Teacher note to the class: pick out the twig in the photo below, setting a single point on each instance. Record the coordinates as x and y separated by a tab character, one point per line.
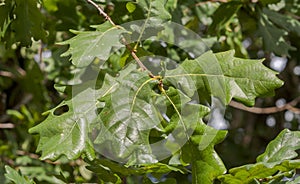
7	74
6	125
101	12
132	51
40	53
268	110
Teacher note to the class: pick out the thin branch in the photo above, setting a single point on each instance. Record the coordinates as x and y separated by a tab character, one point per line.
268	110
101	12
40	53
132	51
7	74
6	125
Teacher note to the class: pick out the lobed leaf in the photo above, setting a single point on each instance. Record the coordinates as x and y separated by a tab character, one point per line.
155	9
87	45
273	164
282	148
67	133
224	76
206	163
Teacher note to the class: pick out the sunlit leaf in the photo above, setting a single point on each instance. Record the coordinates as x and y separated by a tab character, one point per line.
274	163
87	45
224	76
282	148
67	132
206	163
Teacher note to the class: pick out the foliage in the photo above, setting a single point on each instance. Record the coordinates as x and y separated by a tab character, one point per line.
140	96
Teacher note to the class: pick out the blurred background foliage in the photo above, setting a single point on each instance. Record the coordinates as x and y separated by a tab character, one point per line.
31	67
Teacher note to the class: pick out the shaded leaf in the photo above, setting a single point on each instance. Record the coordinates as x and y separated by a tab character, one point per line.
265	2
15	177
223	15
273	37
98	165
284	21
28	22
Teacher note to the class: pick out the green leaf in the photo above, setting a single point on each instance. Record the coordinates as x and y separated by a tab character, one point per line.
111	171
16	177
273	37
28	22
155	9
261	170
130	7
67	133
206	163
265	2
274	163
87	45
128	116
283	147
223	15
284	21
224	76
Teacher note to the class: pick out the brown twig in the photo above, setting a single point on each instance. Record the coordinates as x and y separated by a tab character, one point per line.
107	17
6	125
7	74
268	110
132	51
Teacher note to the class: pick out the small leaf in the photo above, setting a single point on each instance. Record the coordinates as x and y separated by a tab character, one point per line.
155	9
261	170
274	163
283	147
15	177
223	15
130	7
98	165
